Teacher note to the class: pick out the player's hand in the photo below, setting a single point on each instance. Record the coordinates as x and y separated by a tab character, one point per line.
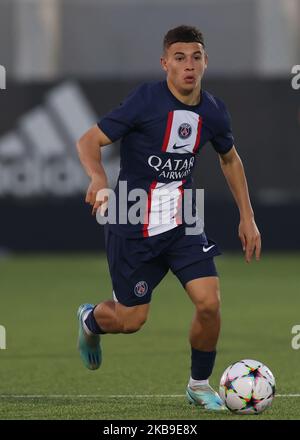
98	183
250	238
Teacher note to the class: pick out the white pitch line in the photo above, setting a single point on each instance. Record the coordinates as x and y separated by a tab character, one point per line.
87	396
94	396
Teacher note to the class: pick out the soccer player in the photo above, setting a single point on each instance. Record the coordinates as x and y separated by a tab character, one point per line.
163	125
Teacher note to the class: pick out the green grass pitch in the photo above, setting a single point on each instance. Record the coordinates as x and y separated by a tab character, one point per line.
42	376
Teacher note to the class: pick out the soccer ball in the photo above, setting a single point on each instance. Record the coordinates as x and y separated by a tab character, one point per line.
247	387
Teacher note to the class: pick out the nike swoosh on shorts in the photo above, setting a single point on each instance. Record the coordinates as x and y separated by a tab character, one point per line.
207	249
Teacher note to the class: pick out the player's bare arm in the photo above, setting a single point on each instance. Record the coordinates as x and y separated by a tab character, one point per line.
233	170
89	151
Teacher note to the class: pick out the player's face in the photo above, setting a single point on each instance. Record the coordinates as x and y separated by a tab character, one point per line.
185	64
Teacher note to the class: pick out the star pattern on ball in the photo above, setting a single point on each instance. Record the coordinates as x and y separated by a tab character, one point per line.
228	385
253	372
251	402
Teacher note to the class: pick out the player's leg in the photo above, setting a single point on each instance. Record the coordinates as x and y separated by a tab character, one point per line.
134	273
190	257
202	285
114	317
106	317
205	328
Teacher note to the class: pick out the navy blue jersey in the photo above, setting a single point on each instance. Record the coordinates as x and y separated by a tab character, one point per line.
160	138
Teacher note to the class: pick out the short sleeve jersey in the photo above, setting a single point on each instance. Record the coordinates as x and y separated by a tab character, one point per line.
160	137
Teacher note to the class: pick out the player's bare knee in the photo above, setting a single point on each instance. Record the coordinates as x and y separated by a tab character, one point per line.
130	329
134	326
131	319
208	307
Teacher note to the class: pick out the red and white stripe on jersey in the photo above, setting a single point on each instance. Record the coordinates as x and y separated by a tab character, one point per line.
164	207
190	144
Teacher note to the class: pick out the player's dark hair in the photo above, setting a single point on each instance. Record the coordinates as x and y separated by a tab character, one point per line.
183	34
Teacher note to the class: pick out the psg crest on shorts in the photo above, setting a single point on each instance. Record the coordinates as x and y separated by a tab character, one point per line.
141	288
184	130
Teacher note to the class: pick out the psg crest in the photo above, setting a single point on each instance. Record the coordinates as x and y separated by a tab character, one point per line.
141	288
184	130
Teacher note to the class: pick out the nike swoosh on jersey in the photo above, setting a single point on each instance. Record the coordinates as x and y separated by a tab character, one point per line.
207	249
180	146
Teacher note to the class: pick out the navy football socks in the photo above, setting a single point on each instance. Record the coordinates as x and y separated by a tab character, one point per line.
92	324
202	364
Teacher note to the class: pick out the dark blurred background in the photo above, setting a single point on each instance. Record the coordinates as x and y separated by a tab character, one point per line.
68	62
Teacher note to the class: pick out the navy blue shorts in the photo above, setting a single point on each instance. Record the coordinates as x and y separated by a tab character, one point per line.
138	265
